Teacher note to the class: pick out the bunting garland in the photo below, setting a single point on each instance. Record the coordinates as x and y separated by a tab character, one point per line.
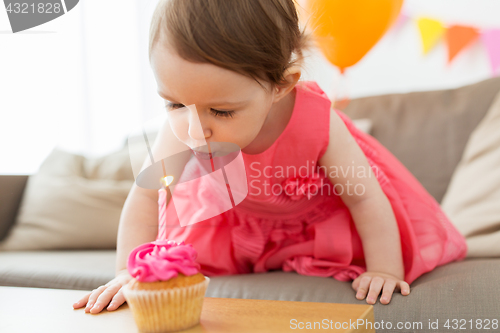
457	38
431	32
491	39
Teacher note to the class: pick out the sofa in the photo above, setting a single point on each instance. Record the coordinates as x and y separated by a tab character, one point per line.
427	131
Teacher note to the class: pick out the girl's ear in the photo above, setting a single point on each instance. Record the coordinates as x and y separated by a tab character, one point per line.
292	76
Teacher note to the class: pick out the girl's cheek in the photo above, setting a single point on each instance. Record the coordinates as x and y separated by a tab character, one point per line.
179	127
186	126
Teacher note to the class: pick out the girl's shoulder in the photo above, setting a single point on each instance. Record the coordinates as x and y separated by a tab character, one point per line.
312	105
308	132
312	93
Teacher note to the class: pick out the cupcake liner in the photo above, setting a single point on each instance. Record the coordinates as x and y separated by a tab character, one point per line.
166	310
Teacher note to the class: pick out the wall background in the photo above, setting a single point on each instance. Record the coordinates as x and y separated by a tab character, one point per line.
82	82
396	63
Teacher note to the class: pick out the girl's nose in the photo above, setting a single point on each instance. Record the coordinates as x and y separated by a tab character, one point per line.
207	132
198	131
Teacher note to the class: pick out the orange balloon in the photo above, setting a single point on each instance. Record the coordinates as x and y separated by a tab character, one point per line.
346	30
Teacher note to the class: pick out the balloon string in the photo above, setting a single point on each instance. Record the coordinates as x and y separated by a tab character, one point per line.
341	94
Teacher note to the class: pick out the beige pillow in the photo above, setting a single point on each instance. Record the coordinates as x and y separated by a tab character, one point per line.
472	200
72	202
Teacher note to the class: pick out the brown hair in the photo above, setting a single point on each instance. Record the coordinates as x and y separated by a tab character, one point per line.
256	38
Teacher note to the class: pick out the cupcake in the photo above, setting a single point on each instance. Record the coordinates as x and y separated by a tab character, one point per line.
167	289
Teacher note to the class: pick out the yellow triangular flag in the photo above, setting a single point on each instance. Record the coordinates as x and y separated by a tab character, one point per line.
430	31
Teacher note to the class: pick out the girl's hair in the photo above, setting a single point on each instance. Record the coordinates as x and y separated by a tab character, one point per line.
256	38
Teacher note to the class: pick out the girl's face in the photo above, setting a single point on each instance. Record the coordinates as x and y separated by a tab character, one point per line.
228	106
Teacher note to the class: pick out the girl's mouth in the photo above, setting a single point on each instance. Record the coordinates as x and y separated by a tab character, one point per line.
203	155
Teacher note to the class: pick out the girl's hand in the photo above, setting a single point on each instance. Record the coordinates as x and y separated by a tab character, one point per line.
375	281
98	298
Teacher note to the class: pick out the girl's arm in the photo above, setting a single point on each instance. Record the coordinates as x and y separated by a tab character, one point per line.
370	209
139	217
138	223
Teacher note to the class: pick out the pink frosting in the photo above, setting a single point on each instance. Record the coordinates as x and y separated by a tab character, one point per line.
162	260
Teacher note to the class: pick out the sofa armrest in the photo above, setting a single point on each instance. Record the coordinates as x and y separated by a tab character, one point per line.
11	193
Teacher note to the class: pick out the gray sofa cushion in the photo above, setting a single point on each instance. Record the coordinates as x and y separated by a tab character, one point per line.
81	270
462	290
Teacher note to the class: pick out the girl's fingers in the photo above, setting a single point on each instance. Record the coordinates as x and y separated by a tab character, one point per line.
404	287
389	287
93	297
118	300
82	301
104	298
375	288
355	283
364	284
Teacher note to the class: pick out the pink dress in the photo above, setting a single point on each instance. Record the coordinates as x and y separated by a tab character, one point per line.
312	232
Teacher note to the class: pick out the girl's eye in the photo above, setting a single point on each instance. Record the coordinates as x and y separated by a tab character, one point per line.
174	106
219	113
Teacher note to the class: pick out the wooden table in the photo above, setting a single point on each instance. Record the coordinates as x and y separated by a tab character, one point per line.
39	310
